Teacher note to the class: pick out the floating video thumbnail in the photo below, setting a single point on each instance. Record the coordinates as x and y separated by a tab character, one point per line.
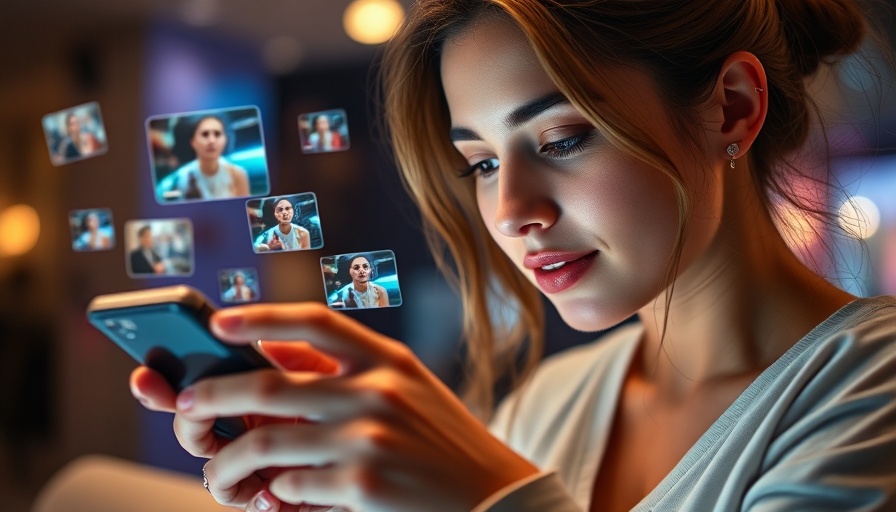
208	155
75	133
238	285
92	230
361	280
159	247
285	223
324	132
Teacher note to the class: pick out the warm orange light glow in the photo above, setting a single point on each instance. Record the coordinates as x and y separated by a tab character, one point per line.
799	229
19	230
372	21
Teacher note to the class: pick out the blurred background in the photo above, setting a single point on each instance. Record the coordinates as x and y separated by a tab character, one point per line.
63	387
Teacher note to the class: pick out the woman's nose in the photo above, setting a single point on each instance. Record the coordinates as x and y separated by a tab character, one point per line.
525	202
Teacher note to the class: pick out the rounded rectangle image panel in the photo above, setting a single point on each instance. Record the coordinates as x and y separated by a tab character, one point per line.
324	132
92	229
284	223
238	285
75	133
208	155
361	280
159	247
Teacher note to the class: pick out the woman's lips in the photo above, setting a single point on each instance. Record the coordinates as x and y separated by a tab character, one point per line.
555	272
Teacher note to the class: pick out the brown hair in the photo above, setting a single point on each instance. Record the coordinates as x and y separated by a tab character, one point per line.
681	44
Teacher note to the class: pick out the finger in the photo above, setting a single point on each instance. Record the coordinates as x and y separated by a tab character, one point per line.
299	356
313	485
195	434
152	390
263	501
270	393
333	333
239	495
276	446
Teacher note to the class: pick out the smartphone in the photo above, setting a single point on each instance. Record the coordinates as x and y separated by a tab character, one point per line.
167	330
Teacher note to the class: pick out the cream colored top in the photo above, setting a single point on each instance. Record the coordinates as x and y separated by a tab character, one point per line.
815	431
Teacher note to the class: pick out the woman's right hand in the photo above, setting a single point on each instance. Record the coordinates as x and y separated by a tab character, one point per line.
275	244
154	392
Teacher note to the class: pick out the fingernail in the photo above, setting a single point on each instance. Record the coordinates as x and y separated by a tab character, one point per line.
228	322
185	399
261	502
143	401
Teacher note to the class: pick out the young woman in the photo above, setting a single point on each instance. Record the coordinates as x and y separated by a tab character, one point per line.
94	236
323	138
285	235
210	175
362	292
622	158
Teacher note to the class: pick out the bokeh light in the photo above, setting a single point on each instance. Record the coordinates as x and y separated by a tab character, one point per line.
372	21
859	216
19	230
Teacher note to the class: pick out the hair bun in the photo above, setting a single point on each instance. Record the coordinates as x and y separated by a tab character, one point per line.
816	29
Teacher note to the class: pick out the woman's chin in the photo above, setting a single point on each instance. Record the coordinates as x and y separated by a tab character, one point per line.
588	316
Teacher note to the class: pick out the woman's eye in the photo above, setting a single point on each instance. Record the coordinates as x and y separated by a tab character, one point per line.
568	146
482	168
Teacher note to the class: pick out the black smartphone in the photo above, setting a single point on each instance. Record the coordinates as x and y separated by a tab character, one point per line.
167	330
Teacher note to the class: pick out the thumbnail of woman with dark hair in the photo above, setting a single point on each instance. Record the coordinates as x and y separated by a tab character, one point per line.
77	142
286	235
323	138
92	234
239	291
362	292
210	175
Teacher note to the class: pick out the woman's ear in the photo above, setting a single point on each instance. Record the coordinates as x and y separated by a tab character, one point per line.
741	99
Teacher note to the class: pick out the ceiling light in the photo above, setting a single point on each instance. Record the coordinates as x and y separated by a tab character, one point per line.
372	21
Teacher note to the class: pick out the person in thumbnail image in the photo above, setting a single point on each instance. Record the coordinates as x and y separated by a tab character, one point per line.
362	292
239	291
286	235
93	236
322	138
77	142
210	175
145	260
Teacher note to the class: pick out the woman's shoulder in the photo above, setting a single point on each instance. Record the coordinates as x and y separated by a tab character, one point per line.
232	167
864	326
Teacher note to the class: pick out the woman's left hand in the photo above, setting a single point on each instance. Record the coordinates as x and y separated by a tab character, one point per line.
381	434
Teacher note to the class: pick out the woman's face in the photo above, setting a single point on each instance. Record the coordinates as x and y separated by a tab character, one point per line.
92	222
591	226
73	127
209	139
238	280
322	124
359	269
283	211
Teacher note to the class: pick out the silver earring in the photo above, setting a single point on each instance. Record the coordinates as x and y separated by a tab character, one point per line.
758	89
733	149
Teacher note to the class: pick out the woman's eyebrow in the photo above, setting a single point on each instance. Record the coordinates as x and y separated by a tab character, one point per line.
519	115
458	134
531	109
